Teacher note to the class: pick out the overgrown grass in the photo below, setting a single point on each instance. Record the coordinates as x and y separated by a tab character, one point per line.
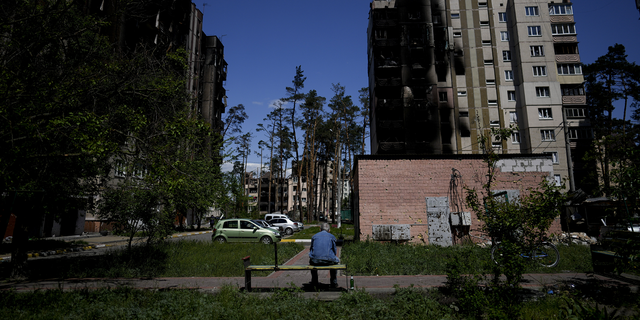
375	258
171	259
346	231
229	303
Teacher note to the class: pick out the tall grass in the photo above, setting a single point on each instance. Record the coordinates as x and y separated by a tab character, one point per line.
229	303
170	259
375	258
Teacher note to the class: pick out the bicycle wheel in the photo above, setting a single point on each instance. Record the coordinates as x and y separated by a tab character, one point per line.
496	252
546	254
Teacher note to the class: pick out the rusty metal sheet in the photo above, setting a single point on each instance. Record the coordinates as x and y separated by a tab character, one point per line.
389	232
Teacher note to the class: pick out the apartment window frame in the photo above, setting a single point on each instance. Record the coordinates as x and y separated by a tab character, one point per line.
515	137
539	71
511	95
576	112
580	133
457	34
462	93
537	51
554	158
484	23
560	9
558	180
486	42
560	29
545	114
569	69
532	11
492	102
504	35
508	75
534	31
442	96
513	116
547	135
542	92
490	81
502	17
506	55
455	16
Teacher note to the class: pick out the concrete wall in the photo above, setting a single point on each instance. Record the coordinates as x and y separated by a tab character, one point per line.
394	191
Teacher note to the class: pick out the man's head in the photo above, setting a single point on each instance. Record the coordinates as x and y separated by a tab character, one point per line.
325	227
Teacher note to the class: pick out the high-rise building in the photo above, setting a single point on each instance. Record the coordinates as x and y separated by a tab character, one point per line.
443	72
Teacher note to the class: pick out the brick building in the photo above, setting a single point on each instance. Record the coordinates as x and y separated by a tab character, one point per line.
419	199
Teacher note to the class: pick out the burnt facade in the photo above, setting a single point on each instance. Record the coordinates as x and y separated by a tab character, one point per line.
444	72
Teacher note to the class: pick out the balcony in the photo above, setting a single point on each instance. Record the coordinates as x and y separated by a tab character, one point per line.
565	39
568	58
574	100
561	19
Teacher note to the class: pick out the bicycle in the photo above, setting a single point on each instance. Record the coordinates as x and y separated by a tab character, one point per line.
545	254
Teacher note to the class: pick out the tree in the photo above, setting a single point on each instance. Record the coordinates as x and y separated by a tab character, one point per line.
294	95
233	120
312	117
611	78
364	113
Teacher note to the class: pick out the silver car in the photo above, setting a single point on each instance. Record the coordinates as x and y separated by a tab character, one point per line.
267	225
287	225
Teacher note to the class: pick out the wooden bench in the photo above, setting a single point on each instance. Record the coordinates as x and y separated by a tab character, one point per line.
248	268
615	244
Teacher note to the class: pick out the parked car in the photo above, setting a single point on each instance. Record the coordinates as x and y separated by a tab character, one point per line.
243	230
300	225
275	215
265	224
287	225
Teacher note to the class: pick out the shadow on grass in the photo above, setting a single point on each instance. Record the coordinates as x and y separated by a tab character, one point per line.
140	262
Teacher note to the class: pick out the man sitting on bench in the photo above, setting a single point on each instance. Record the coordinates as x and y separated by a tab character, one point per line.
323	253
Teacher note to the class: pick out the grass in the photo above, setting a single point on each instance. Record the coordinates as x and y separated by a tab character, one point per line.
171	259
346	231
375	258
229	303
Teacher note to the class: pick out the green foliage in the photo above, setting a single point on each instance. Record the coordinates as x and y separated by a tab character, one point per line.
576	310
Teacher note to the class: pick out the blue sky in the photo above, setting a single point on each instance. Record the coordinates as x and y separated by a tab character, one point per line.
264	41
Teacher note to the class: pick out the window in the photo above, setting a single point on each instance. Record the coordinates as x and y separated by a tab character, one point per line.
558	179
557	9
462	93
515	137
508	75
513	116
576	113
436	19
502	16
457	34
482	4
547	135
381	34
304	199
504	35
560	29
573	91
442	96
494	123
534	31
537	51
491	81
531	11
544	113
539	71
554	158
486	42
511	95
484	23
489	61
496	144
567	69
506	55
119	169
577	133
464	114
542	92
455	16
304	189
493	102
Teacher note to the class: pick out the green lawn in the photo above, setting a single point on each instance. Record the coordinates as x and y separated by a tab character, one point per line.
346	231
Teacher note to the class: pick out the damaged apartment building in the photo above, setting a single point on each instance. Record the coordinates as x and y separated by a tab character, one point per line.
444	72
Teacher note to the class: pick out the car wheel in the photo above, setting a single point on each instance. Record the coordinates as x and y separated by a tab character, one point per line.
220	240
289	231
266	240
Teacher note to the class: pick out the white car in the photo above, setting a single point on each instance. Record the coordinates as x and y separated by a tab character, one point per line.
287	225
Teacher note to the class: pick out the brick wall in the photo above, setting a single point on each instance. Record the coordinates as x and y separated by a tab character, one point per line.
394	191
